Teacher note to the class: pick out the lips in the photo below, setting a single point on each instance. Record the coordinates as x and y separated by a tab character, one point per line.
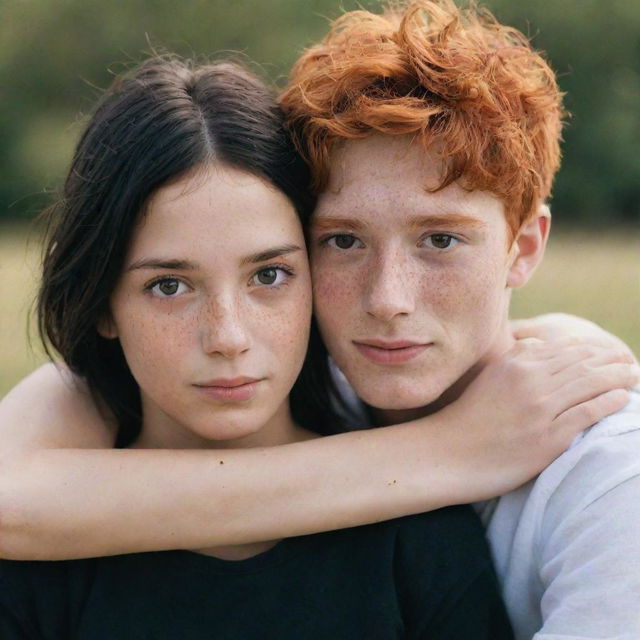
240	389
396	352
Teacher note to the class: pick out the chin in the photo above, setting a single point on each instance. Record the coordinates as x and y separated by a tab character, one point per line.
401	396
231	428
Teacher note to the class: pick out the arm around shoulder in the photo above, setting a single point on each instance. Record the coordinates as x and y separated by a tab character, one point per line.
64	493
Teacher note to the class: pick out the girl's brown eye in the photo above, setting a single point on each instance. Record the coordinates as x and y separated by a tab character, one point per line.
168	287
267	276
271	277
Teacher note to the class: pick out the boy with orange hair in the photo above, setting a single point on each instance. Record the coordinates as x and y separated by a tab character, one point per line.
433	135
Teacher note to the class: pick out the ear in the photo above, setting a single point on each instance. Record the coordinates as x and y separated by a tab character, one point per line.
107	327
528	248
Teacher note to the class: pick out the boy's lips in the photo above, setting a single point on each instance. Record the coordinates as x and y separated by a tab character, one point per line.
395	352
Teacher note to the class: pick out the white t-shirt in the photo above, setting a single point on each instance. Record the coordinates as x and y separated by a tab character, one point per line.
567	544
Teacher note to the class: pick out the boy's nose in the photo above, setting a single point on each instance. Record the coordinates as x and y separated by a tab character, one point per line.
388	289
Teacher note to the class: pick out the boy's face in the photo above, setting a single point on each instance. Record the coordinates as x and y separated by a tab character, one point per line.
410	286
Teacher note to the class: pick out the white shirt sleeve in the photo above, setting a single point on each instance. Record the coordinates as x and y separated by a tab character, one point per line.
588	546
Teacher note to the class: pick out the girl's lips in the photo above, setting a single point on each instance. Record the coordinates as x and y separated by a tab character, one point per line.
232	390
390	352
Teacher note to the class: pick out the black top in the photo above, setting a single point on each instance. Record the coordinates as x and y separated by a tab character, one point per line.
424	576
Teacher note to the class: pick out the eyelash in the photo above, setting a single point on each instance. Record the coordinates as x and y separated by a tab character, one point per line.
154	283
327	239
453	239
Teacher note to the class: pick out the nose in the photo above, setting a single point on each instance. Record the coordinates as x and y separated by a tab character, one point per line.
389	290
223	328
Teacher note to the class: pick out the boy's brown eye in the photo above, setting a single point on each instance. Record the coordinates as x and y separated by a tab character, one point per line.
442	241
343	241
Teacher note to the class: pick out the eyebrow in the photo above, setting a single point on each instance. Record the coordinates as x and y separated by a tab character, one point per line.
457	220
269	254
160	263
187	265
331	222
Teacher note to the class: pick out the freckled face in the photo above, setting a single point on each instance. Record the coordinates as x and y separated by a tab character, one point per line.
212	310
409	286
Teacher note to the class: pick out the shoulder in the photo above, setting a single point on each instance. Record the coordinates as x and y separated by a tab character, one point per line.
53	407
605	457
577	532
627	420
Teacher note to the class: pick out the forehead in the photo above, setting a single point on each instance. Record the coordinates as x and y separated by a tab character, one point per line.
393	176
212	209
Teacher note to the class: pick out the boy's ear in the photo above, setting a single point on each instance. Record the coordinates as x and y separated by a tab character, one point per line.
528	248
107	327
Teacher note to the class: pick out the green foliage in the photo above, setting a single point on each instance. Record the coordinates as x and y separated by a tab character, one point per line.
595	48
56	55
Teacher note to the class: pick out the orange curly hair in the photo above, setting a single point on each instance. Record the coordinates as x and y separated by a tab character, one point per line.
437	72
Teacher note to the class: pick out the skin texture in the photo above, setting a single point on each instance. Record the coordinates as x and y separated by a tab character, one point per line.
63	496
395	263
199	305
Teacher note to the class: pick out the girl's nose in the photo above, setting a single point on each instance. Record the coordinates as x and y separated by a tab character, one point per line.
223	328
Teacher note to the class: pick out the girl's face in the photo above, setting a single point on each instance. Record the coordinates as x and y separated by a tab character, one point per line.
212	311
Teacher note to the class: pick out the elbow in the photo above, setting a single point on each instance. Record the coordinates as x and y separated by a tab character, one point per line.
13	531
16	517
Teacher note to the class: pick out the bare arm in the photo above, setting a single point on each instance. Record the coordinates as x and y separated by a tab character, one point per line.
62	495
553	326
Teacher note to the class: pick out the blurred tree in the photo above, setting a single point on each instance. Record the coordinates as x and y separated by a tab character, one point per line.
55	55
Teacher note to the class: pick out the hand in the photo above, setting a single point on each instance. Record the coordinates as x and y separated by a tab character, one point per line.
553	326
525	408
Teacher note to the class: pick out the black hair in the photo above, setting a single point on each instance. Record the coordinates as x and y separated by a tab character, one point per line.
155	123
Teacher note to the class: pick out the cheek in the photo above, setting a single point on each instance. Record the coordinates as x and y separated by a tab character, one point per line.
335	293
154	345
469	301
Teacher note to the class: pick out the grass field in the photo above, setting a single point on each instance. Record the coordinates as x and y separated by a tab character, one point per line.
592	275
